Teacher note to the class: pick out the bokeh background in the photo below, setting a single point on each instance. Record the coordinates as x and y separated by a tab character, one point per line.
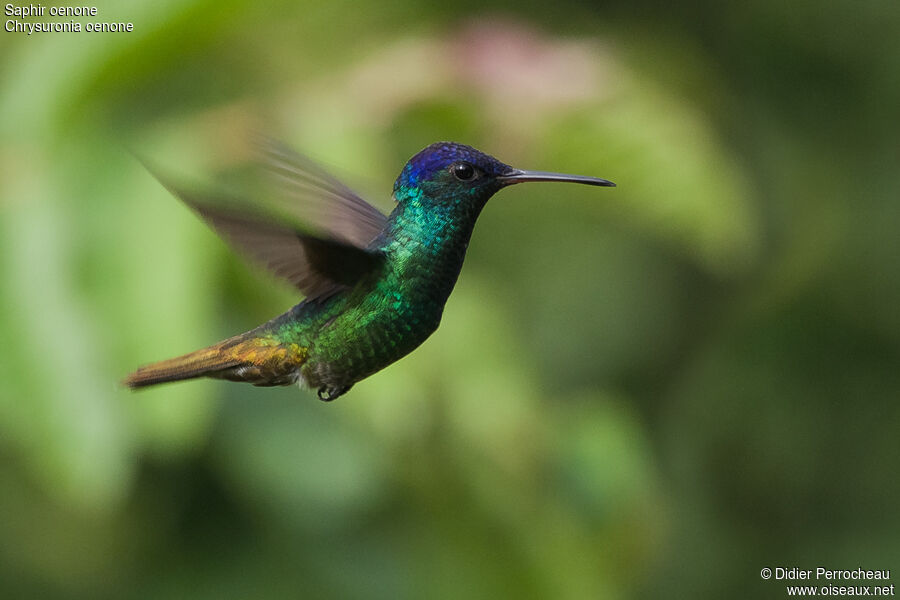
646	392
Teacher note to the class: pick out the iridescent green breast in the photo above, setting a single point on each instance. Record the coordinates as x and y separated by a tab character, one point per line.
383	318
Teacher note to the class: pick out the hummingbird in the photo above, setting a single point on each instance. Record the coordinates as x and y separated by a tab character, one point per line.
375	285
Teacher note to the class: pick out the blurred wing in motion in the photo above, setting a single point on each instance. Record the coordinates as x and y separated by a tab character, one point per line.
319	199
323	251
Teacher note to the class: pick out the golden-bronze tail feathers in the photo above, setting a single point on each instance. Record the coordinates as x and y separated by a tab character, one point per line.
259	361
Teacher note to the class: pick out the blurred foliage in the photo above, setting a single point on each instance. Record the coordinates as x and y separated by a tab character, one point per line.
651	391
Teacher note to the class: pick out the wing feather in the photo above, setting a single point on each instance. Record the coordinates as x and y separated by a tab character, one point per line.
328	253
320	199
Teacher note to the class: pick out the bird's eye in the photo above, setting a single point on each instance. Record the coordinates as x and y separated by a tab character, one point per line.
463	171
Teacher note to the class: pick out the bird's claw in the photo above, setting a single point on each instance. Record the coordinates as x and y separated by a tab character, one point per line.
328	393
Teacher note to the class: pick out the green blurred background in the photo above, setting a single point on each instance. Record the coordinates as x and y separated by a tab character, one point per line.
646	392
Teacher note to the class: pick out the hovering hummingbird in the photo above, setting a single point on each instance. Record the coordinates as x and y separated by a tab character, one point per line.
375	285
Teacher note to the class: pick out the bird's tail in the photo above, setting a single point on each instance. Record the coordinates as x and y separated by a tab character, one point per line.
256	360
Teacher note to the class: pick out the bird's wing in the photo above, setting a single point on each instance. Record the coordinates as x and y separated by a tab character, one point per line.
315	197
314	232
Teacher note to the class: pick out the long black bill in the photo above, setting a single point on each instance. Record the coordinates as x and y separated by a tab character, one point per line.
519	176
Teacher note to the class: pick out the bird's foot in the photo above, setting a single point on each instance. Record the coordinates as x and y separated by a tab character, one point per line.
327	393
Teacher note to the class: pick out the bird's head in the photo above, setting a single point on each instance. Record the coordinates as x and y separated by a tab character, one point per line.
455	174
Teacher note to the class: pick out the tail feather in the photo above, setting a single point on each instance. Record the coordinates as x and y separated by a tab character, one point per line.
258	361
